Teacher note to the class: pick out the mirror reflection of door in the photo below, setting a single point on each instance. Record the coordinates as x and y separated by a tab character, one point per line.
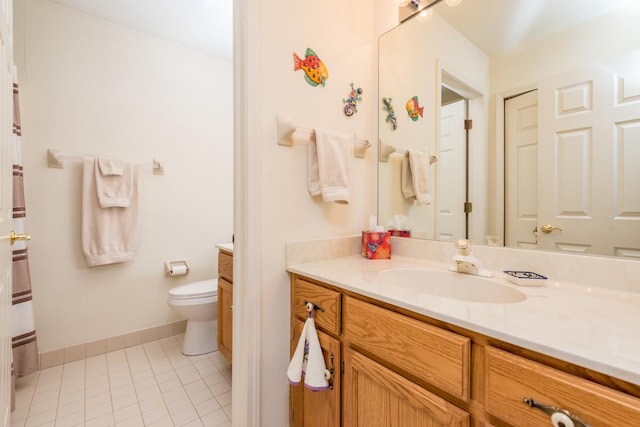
521	170
578	134
459	102
451	221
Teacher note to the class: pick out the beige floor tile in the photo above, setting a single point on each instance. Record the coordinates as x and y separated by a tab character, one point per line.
207	407
185	417
150	384
128	412
215	418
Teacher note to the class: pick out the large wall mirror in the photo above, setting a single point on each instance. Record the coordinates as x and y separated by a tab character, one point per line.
529	112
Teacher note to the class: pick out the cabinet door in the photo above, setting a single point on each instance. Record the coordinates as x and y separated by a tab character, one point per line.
225	318
375	396
317	408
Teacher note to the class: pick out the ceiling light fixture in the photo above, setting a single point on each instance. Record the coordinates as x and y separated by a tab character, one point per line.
453	3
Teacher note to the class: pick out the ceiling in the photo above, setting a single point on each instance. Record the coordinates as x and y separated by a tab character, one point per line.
496	26
204	25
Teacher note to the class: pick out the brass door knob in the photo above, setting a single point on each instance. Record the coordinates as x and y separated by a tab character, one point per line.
548	228
13	237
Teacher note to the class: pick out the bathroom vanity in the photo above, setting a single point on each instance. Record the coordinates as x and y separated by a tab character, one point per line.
225	300
411	359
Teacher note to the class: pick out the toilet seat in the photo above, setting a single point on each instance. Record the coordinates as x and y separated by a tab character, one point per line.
202	289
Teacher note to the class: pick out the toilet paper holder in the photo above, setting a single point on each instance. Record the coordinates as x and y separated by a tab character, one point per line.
176	268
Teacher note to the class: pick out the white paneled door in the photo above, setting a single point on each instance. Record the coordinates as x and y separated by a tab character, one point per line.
451	173
589	152
587	157
6	205
521	161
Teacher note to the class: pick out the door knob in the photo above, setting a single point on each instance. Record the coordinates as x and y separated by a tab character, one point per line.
548	228
13	237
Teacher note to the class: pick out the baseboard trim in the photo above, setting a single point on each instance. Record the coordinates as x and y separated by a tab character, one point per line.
60	356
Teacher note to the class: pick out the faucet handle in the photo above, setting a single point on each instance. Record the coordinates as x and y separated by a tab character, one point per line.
463	247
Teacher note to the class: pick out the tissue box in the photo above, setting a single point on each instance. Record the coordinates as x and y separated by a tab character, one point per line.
400	233
376	244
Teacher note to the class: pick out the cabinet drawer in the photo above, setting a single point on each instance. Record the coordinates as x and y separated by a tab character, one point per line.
439	357
511	378
329	319
225	266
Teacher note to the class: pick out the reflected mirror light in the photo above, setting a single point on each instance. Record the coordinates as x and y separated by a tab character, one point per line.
550	92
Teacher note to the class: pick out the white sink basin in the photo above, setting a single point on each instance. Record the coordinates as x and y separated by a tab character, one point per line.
447	284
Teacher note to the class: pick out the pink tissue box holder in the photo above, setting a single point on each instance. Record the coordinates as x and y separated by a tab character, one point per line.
376	244
400	233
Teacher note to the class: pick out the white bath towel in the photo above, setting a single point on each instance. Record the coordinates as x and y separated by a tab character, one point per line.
329	163
109	235
415	176
307	360
114	182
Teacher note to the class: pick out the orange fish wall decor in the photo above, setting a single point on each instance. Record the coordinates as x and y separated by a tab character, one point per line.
414	109
315	72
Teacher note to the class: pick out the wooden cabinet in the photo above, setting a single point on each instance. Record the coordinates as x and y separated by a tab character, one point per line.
401	368
377	396
439	357
317	408
327	314
511	379
225	304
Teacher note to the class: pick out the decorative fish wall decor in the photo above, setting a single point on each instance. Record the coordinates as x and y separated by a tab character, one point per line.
351	103
315	72
391	113
414	109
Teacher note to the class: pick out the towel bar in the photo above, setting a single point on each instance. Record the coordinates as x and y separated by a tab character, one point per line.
288	134
55	159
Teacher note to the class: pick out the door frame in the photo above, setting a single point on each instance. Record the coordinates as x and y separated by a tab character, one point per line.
499	222
477	110
247	216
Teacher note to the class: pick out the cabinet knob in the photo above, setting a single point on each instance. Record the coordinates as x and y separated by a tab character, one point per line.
559	417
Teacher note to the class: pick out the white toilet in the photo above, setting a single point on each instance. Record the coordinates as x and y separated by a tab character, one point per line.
198	303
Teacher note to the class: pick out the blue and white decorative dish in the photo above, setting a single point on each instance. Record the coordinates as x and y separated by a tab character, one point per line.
525	278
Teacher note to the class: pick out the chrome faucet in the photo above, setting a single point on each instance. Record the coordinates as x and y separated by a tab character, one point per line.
467	263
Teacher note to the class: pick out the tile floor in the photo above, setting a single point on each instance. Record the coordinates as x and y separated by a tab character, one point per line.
151	384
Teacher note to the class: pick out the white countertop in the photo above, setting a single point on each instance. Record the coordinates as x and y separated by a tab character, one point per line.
228	247
590	327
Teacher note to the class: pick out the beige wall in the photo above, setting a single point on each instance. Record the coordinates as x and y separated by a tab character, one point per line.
90	87
343	34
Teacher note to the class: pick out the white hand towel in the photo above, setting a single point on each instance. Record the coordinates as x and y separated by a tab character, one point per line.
406	178
329	162
114	182
308	360
109	235
415	176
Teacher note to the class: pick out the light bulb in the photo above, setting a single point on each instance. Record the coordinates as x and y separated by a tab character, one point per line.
402	3
453	3
425	14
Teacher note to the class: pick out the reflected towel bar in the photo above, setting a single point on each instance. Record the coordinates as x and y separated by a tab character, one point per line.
386	150
56	159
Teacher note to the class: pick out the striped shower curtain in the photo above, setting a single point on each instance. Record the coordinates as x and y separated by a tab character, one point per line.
23	331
